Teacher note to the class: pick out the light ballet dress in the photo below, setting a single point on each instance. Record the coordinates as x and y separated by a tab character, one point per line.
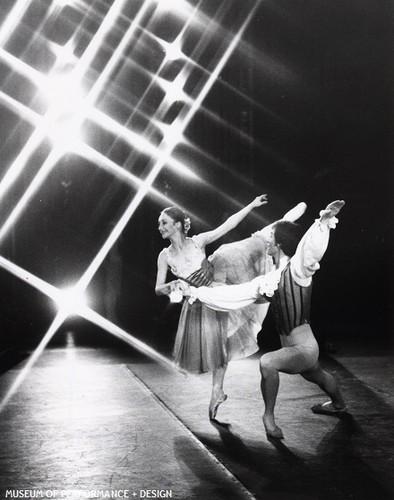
240	262
207	339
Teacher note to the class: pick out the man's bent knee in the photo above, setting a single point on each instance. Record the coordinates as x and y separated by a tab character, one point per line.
267	364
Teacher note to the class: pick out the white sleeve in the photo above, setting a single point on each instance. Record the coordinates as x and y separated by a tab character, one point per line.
310	251
229	297
226	297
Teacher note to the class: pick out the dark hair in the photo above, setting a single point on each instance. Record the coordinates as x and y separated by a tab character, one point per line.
178	215
287	236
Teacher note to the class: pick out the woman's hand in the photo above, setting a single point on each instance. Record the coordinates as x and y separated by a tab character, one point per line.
327	216
233	221
259	201
176	294
185	288
175	285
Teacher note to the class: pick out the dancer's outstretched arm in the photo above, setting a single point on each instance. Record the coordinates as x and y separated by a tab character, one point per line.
295	213
226	297
230	297
314	243
208	237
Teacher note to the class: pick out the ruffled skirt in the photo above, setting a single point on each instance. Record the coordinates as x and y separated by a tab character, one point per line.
208	339
235	263
200	343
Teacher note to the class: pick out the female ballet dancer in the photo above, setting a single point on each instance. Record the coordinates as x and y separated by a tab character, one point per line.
206	339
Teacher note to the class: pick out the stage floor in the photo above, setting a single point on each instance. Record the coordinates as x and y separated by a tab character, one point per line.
102	423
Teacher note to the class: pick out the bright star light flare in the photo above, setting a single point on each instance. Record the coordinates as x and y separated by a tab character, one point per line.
69	302
120	68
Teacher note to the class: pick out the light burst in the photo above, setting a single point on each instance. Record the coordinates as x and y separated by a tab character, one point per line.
74	90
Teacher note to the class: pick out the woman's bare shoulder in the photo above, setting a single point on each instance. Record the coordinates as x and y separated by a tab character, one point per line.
163	255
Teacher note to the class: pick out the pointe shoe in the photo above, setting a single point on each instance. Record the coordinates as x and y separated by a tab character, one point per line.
216	400
274	434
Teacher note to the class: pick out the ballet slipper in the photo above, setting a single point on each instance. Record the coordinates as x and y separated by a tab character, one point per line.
217	399
272	431
327	408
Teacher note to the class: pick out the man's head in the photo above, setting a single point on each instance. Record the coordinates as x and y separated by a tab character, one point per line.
285	237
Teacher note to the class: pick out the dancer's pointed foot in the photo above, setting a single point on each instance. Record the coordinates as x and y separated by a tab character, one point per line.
218	397
222	425
328	408
271	429
296	212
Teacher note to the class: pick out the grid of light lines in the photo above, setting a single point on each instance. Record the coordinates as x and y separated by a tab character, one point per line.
96	97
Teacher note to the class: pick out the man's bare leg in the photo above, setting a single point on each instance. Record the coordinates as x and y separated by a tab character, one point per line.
327	383
269	390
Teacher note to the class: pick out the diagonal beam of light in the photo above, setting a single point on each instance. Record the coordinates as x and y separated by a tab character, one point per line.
98	320
94	46
165	46
84	312
84	151
24	69
81	67
46	167
117	54
23	111
29	278
113	168
56	324
167	151
13	19
169	146
37	136
138	142
39	133
223	61
140	346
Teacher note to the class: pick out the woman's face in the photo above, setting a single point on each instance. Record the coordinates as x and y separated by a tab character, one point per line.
167	226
